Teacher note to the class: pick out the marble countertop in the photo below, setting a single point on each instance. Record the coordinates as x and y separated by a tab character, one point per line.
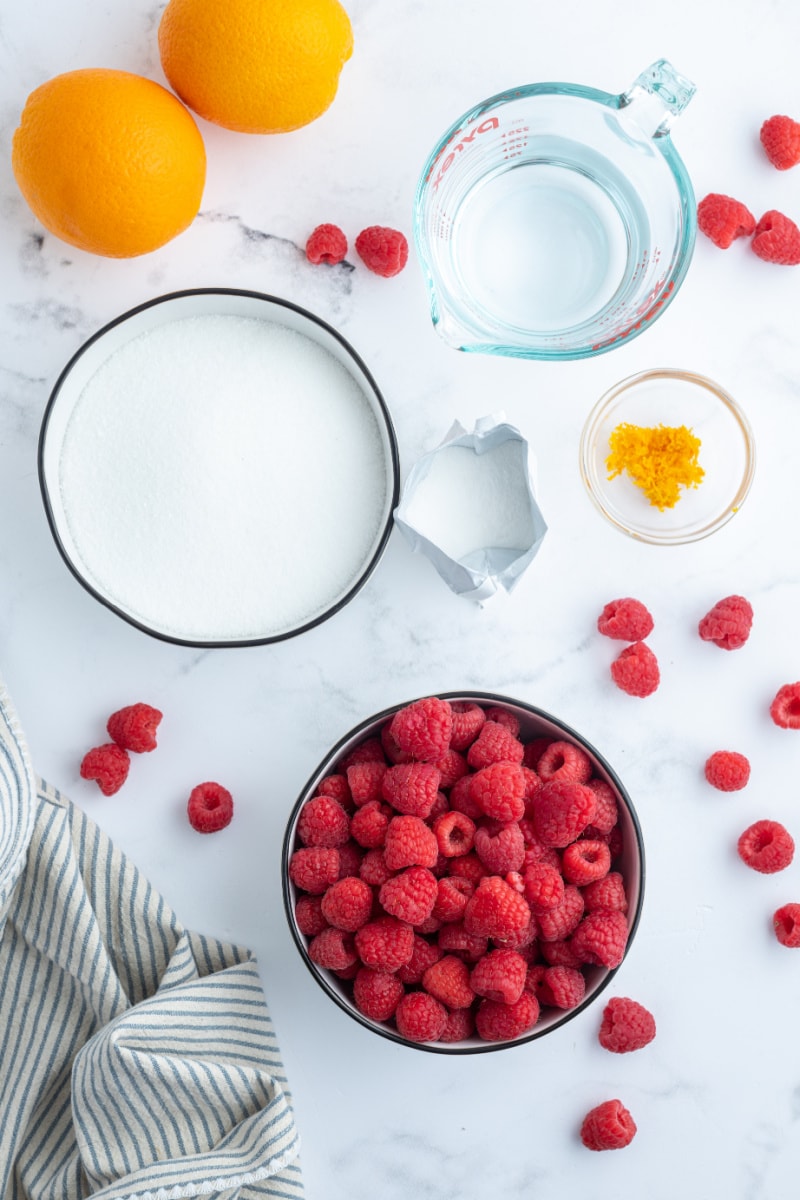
717	1096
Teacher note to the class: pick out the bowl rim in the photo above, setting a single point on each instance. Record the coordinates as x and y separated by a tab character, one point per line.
393	468
484	698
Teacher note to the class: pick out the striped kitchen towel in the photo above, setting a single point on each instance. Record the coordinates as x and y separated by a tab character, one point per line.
137	1060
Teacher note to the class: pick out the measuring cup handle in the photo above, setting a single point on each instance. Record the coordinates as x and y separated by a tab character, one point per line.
657	96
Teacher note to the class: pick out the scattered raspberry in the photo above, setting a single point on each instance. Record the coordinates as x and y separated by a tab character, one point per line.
502	851
562	760
636	671
377	993
410	843
728	623
451	898
411	788
785	708
500	975
544	886
460	1024
108	765
323	822
786	923
410	896
210	808
626	1026
494	744
606	893
723	219
499	791
727	770
609	1126
423	729
326	244
585	861
455	834
468	720
364	780
496	910
347	904
333	949
601	938
766	846
777	239
134	728
607	810
314	868
780	137
558	923
626	619
385	943
563	986
420	1018
384	251
423	955
448	981
496	1022
562	810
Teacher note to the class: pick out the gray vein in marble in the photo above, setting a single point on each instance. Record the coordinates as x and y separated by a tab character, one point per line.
60	316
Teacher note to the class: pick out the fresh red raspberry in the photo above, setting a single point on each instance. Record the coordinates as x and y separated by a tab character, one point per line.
452	766
423	729
460	1025
420	1018
468	720
411	788
350	858
723	219
563	986
210	808
377	994
727	770
410	843
607	811
562	760
532	785
494	744
534	750
108	765
562	811
502	716
544	886
467	866
461	799
455	834
423	955
766	846
786	923
368	824
347	904
431	924
780	137
557	923
601	938
337	787
385	943
308	915
499	791
370	750
559	954
384	251
496	910
785	708
448	981
522	939
609	1126
326	244
314	868
496	1022
635	670
391	750
626	1026
535	852
439	807
455	939
728	623
411	895
364	780
777	239
500	975
503	851
608	892
585	861
373	869
349	973
451	898
323	822
134	728
333	949
627	620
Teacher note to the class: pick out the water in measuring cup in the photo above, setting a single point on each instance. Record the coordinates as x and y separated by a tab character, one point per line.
540	246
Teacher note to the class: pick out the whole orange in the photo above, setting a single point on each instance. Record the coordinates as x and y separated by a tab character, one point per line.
257	66
109	161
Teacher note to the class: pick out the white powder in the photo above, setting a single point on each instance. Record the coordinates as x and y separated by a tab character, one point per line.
223	478
470	501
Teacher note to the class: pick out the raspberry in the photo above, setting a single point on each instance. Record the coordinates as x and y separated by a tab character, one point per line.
609	1126
532	784
499	791
786	923
452	766
391	749
607	810
448	981
496	1022
564	987
410	843
323	822
370	750
467	866
455	834
308	915
439	807
411	788
108	765
785	708
558	923
503	851
326	244
385	943
461	799
777	239
562	810
384	251
780	137
585	861
333	949
210	808
608	892
601	938
636	671
455	939
460	1025
544	886
559	954
368	824
377	993
336	786
626	619
347	904
314	868
423	729
451	898
134	728
728	623
420	1018
534	750
468	720
502	716
350	856
423	955
723	219
521	939
364	780
626	1026
500	975
494	744
410	896
373	869
727	770
766	846
496	910
562	760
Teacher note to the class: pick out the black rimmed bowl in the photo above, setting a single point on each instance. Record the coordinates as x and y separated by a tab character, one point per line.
629	861
219	468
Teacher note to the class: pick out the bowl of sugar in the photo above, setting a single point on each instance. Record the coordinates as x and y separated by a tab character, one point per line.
219	468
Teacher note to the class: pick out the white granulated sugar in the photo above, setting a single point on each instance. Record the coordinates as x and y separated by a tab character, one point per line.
223	478
470	501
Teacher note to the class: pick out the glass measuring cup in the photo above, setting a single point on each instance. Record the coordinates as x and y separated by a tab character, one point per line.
555	221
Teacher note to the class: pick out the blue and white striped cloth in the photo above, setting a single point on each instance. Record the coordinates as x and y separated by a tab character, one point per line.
137	1060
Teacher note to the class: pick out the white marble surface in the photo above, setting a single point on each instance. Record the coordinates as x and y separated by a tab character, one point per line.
717	1095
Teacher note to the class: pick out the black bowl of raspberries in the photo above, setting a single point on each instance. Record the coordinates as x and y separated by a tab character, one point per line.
463	873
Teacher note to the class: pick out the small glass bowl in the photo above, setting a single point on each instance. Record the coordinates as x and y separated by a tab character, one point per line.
727	455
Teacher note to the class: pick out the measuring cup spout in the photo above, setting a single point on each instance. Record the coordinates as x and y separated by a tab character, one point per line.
657	96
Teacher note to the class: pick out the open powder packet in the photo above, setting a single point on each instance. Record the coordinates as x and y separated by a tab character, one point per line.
469	505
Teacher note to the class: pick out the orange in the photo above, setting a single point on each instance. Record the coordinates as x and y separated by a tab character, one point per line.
109	161
257	66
